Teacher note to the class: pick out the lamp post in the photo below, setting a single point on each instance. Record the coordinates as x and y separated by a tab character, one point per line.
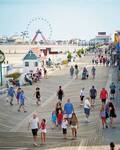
2	58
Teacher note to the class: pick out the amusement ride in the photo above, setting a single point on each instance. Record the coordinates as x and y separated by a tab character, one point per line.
38	26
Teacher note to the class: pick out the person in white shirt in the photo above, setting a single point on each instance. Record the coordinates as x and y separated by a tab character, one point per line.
87	107
34	124
64	126
82	94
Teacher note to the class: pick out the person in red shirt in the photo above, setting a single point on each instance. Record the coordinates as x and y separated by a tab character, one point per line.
59	118
103	95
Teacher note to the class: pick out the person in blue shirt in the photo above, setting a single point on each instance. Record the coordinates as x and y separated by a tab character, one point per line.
11	93
22	101
68	109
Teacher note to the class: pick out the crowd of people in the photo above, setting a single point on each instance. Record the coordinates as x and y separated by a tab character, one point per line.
34	77
74	71
64	116
100	59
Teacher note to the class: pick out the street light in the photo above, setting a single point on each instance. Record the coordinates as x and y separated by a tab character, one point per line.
2	58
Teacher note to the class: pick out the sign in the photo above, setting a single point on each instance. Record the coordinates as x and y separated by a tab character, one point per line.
101	33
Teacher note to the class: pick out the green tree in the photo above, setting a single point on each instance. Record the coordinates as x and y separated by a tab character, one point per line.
79	53
69	56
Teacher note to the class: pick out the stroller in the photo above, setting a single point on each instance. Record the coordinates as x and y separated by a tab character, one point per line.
85	75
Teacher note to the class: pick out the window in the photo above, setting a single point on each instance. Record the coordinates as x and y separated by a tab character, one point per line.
36	64
26	64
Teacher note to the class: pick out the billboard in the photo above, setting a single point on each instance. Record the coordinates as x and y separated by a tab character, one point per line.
117	41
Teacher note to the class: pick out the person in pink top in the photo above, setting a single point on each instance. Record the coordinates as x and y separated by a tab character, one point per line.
103	95
43	131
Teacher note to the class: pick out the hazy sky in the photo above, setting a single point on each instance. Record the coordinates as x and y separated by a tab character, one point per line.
68	18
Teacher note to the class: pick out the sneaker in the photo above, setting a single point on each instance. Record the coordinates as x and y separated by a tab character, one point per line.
87	121
11	103
106	126
35	144
25	111
18	110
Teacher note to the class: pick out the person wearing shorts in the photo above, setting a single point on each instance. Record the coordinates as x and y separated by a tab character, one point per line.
34	123
93	94
22	102
87	106
74	125
82	96
37	93
43	131
68	109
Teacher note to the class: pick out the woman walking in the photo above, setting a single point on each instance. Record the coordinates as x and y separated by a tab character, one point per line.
87	107
58	107
112	113
74	125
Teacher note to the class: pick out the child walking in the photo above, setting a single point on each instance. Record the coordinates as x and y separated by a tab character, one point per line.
54	119
22	102
18	94
43	131
59	118
37	93
103	116
64	127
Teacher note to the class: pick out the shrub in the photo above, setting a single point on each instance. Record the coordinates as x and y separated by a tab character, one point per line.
79	53
64	62
14	75
69	56
82	51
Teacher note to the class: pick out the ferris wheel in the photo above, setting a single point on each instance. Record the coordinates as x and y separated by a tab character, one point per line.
38	29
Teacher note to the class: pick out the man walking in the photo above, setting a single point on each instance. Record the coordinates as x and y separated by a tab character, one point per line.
71	71
112	90
34	124
68	109
60	93
93	94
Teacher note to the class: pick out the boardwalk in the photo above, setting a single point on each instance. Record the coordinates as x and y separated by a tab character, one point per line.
13	124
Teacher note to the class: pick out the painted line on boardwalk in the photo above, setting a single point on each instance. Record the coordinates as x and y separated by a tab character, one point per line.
44	104
1	124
